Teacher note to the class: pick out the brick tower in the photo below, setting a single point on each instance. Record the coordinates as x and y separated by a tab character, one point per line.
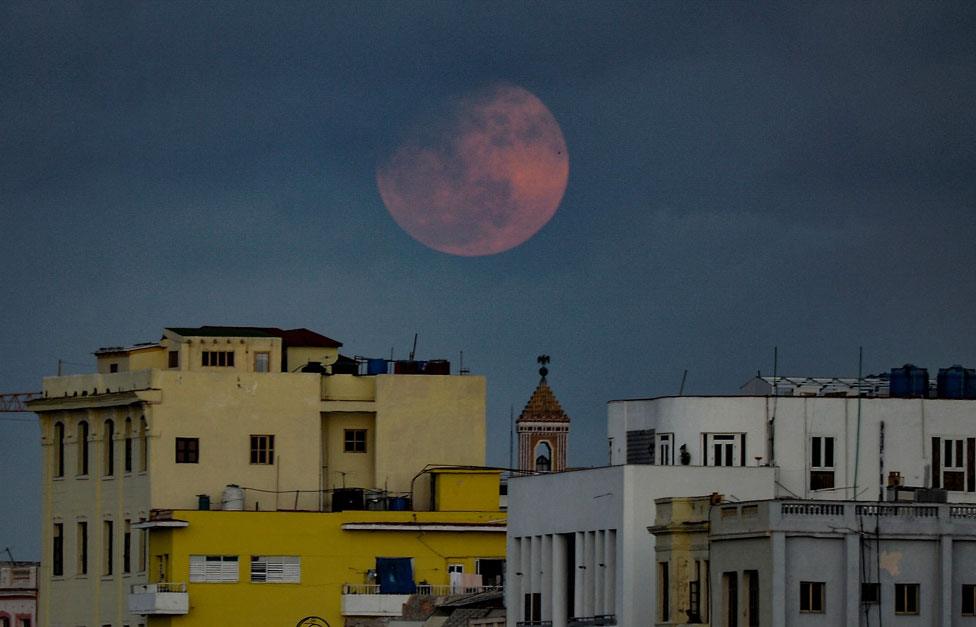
543	429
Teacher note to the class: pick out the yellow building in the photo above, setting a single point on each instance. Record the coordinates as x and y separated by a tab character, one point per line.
681	549
169	425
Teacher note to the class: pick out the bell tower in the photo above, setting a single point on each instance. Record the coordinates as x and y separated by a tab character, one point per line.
543	429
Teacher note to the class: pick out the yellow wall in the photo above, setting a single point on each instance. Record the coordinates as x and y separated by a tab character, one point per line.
341	469
301	355
466	490
223	410
330	557
427	419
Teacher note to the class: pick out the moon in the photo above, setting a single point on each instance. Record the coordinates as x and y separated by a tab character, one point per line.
479	176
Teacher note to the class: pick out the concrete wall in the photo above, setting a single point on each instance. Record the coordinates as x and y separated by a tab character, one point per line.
909	425
618	499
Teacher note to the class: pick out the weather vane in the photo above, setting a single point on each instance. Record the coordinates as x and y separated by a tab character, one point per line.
543	360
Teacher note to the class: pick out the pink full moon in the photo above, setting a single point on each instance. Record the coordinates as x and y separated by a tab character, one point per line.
480	177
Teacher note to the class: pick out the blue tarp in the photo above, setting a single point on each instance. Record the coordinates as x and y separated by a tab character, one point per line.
395	575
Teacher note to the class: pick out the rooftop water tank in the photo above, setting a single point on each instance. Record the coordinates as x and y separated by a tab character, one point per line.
909	381
438	366
232	498
376	366
956	382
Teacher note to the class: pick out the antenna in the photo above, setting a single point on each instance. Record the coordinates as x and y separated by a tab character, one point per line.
413	351
511	436
681	390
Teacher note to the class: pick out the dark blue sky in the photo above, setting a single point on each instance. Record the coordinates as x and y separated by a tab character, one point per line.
742	175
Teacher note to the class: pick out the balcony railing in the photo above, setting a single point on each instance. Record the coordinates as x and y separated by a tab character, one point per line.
424	589
592	621
159	598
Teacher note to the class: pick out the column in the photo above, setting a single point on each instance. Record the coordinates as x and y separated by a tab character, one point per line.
578	564
779	579
852	557
945	603
546	573
610	572
559	580
598	573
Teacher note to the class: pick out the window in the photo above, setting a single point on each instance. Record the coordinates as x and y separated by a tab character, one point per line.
57	559
906	598
730	597
275	569
24	622
82	544
174	359
870	593
142	550
664	592
543	457
108	460
821	463
665	449
533	607
59	449
82	448
127	547
752	590
218	358
128	445
107	542
214	569
262	449
262	362
455	568
724	449
143	445
954	464
355	441
968	599
187	450
812	596
113	367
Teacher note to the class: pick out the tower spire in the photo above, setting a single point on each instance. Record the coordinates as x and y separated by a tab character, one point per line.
543	428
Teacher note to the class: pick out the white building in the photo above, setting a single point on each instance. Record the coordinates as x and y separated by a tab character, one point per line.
745	447
821	447
795	563
578	548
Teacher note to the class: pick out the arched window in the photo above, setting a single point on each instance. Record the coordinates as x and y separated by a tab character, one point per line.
83	447
109	438
543	457
143	445
128	445
59	449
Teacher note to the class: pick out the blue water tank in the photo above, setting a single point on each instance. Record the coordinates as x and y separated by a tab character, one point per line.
398	503
376	366
909	381
956	382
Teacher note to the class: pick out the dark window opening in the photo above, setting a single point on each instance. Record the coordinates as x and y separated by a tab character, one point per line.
262	449
354	441
812	596
906	598
187	450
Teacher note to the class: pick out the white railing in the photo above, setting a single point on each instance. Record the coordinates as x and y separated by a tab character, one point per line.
159	587
917	511
425	589
812	509
962	511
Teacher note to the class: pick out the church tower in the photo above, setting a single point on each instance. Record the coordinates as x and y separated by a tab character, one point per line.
543	429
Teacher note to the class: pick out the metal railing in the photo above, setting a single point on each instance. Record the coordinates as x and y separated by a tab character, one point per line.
424	589
534	623
156	588
592	621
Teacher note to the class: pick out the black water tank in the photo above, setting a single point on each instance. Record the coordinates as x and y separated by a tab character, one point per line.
909	381
348	499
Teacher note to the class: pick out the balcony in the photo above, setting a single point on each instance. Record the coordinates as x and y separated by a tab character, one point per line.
367	600
157	599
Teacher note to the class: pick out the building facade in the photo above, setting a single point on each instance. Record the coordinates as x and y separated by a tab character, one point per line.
18	594
165	425
829	563
821	447
578	548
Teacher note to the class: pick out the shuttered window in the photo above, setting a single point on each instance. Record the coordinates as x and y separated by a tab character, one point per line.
276	569
214	569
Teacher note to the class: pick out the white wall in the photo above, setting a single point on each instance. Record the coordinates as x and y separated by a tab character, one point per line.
909	426
618	498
